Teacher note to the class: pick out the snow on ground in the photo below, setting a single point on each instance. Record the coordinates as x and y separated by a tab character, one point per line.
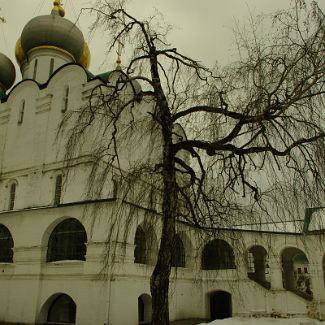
265	321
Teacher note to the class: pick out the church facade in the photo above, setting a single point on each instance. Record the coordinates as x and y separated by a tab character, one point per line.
53	237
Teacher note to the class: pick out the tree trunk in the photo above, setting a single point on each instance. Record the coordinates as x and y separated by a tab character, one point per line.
159	282
160	276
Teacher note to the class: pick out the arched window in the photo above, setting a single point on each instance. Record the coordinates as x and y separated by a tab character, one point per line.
140	250
21	112
178	257
218	255
65	99
6	245
12	196
62	311
67	242
58	190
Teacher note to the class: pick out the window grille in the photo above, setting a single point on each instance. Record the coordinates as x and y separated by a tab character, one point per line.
62	311
178	257
140	250
67	242
218	255
251	263
6	245
58	190
12	196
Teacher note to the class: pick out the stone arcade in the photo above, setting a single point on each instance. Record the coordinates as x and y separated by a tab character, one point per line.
51	255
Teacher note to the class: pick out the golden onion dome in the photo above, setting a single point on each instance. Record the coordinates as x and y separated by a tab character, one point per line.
53	32
86	57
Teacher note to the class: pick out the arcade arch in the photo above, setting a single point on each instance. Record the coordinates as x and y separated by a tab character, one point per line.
295	272
258	268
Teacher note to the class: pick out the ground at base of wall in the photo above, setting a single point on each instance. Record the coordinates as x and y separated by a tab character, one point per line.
1	323
191	321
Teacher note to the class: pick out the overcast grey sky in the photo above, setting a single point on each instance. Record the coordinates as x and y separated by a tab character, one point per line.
202	29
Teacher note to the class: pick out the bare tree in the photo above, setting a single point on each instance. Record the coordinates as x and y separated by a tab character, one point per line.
215	143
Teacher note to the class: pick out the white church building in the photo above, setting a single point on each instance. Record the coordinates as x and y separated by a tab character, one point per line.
53	236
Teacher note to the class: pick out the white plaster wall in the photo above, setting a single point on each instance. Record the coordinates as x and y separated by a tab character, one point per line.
31	155
98	299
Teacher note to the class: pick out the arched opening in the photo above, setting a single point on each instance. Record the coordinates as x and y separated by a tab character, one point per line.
218	255
295	272
146	246
67	242
6	245
258	269
220	305
178	257
144	309
62	311
140	249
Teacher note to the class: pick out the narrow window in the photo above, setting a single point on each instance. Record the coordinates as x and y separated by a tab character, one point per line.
140	250
299	270
51	66
35	69
65	100
58	190
305	270
21	112
12	196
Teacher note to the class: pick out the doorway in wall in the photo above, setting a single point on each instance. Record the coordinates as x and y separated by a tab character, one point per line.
220	305
144	309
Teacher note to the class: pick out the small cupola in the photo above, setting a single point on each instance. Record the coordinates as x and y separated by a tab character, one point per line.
48	42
